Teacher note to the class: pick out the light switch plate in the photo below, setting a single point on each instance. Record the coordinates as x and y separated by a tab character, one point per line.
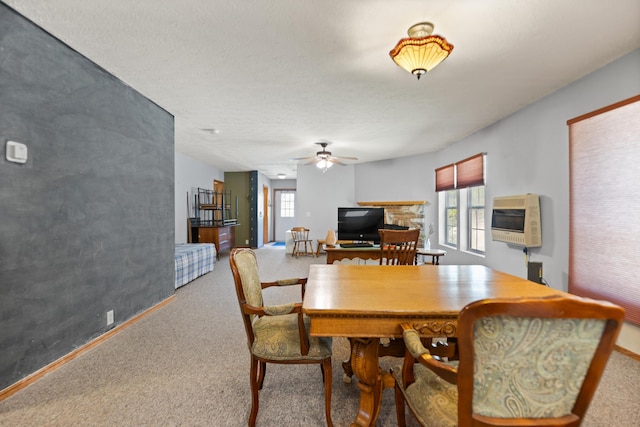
17	152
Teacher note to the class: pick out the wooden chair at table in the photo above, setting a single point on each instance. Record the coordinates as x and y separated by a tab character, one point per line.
275	334
398	247
523	362
302	244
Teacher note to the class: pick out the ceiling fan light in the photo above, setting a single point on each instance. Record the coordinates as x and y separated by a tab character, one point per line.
324	164
323	158
420	52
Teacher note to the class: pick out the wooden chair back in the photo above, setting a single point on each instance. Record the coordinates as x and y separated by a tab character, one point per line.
300	234
244	267
302	245
571	339
551	350
398	247
275	334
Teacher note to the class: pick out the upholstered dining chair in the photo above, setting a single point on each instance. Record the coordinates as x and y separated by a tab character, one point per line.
275	334
523	362
302	244
398	247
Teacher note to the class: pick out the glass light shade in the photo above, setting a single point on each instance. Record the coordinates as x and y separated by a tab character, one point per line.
420	55
324	164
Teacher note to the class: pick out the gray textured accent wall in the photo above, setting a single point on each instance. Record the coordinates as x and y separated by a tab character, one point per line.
87	224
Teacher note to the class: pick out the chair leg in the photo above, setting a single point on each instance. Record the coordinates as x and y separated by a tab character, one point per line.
346	365
327	376
262	369
402	422
255	386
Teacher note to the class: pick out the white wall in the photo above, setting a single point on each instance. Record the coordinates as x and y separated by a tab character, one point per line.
190	174
404	179
526	152
319	194
529	152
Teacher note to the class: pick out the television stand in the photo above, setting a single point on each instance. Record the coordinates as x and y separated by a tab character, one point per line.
322	243
337	253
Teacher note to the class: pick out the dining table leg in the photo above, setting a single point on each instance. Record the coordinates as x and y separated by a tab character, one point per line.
371	379
393	347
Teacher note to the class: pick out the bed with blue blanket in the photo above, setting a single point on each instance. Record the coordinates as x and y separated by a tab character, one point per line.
193	260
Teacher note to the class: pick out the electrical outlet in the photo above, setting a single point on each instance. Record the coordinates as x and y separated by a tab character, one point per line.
534	272
246	242
109	317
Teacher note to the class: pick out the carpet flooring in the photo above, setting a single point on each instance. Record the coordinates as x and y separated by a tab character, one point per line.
187	364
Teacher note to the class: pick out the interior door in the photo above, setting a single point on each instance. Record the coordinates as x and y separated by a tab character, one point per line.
283	212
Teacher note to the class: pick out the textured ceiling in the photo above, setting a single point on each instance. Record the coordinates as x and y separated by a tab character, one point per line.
276	76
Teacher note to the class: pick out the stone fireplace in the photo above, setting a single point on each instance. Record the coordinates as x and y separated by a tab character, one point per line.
406	213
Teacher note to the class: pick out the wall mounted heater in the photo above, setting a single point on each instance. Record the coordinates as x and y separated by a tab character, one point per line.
516	220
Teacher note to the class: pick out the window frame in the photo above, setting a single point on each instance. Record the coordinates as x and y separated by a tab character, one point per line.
288	207
471	230
463	218
451	211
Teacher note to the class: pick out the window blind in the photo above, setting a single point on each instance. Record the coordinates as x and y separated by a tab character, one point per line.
470	171
604	254
445	178
465	173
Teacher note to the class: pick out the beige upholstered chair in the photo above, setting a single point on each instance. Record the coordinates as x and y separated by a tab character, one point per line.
523	362
275	334
302	244
398	247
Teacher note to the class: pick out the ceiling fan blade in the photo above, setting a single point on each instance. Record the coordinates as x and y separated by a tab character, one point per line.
323	155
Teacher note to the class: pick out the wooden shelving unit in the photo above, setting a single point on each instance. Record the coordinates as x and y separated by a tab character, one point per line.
215	220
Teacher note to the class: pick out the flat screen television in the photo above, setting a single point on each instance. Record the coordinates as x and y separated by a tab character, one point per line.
360	224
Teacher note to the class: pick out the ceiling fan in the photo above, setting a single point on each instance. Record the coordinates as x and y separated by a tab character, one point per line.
323	158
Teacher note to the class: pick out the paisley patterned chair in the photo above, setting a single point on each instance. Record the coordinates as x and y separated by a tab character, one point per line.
525	362
275	334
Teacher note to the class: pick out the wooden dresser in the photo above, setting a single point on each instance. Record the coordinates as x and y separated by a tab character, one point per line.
224	237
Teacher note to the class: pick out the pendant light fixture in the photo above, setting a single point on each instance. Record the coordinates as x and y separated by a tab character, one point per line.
420	52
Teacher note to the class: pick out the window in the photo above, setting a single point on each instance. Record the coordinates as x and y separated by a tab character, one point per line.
475	209
463	217
461	195
451	218
287	205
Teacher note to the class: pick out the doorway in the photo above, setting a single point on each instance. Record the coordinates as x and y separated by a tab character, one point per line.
265	217
284	214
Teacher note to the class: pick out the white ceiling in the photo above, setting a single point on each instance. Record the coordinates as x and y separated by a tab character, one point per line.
276	76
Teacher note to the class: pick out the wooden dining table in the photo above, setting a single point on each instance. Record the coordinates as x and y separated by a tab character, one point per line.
368	302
